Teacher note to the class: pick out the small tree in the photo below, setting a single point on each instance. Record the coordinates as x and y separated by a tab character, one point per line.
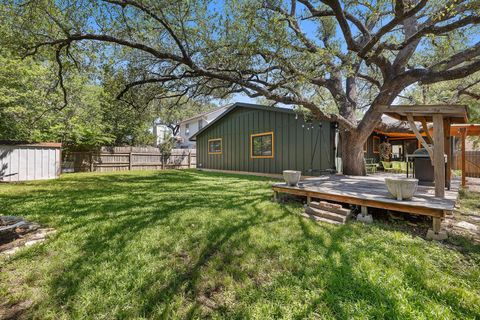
166	147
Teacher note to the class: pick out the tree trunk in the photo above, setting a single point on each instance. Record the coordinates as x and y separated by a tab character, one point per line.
352	153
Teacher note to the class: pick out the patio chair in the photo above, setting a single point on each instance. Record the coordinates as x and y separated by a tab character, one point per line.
397	166
370	166
403	167
387	166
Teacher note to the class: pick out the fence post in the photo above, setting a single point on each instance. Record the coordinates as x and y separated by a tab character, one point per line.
189	158
91	161
130	161
162	161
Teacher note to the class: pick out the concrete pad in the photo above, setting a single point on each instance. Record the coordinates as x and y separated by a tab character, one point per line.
365	219
32	242
442	235
466	225
11	251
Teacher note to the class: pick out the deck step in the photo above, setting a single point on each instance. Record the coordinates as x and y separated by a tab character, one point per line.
326	214
332	207
316	218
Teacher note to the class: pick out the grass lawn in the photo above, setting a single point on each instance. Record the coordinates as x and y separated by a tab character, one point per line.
186	244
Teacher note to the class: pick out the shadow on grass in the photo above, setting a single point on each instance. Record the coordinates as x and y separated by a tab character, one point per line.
163	240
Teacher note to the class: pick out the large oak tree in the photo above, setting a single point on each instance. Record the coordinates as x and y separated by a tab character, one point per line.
361	53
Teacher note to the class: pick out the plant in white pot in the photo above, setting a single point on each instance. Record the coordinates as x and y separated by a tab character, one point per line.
292	177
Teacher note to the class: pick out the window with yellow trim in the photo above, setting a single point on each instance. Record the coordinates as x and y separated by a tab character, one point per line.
215	146
262	145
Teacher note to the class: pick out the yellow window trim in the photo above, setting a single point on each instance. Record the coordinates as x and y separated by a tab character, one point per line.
251	145
221	145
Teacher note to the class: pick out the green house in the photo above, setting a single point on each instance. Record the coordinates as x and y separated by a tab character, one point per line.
256	138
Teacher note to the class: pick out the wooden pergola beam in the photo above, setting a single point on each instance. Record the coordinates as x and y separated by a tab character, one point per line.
463	133
448	151
456	113
419	136
425	129
438	155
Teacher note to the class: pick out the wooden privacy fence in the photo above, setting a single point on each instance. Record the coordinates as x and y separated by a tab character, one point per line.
128	158
472	163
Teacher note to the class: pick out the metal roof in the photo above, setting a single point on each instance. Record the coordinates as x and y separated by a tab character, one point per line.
30	144
201	115
241	105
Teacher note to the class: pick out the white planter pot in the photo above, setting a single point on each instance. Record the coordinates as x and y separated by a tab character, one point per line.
291	177
401	188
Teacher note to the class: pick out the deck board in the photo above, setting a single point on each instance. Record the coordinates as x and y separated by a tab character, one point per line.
372	191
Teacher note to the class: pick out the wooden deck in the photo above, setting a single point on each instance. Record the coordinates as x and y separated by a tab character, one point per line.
371	191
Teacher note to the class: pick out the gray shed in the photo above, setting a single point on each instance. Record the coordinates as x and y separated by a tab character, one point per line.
29	161
256	138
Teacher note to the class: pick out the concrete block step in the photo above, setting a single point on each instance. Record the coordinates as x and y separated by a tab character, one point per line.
332	207
320	219
326	214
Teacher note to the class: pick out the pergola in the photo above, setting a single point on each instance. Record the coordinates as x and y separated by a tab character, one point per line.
443	118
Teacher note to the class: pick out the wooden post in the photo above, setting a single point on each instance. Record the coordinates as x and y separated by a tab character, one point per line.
463	132
91	161
436	225
130	161
163	161
446	142
438	155
189	159
309	199
364	210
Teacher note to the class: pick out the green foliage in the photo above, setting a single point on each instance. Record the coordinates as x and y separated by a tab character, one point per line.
24	88
31	102
465	91
31	108
189	244
30	105
166	147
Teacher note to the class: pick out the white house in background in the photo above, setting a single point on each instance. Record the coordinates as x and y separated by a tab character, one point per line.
190	126
161	133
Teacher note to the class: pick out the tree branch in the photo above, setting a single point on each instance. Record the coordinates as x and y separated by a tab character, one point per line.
150	13
389	26
458	58
330	13
342	21
427	76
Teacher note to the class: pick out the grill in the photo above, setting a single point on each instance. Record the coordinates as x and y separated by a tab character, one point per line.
422	167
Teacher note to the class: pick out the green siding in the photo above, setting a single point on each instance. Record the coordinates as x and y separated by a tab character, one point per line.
294	145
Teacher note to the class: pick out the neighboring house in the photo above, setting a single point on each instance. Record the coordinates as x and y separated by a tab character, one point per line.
190	126
256	138
161	133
